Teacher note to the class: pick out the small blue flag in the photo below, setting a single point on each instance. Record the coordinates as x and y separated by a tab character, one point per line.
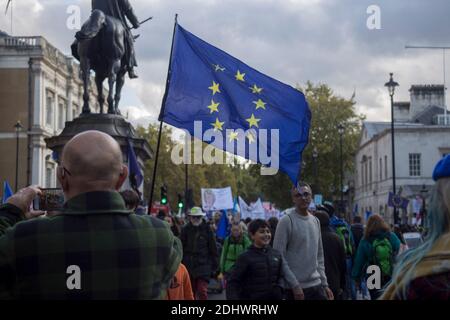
7	192
135	173
208	86
397	201
222	229
235	205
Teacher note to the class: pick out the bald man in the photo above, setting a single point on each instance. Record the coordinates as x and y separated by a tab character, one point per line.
95	248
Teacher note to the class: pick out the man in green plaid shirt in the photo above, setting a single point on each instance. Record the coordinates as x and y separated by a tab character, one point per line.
115	253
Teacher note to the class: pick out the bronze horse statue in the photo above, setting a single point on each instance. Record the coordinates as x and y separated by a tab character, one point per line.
100	46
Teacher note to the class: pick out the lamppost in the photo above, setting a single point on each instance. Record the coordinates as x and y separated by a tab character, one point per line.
391	88
424	193
18	127
315	154
341	134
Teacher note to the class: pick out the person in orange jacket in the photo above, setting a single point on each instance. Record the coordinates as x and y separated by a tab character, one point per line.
180	287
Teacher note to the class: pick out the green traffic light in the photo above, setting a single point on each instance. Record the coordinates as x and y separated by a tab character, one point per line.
180	205
163	200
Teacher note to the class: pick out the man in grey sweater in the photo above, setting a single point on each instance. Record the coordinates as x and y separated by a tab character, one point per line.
299	240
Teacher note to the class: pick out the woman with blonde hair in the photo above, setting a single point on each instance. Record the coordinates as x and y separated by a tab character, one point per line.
378	247
424	272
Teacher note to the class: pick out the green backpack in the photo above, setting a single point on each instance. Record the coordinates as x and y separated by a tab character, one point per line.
383	256
344	234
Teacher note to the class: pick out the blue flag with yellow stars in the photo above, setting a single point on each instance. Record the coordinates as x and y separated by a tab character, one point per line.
239	109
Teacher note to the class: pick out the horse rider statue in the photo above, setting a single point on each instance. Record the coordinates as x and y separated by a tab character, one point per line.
122	10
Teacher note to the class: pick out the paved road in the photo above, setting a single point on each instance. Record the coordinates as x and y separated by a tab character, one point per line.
221	296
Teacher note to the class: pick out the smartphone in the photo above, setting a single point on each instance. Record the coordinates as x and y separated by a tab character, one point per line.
51	199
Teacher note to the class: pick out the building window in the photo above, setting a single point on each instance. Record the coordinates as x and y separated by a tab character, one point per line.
414	164
61	114
365	175
75	111
385	168
49	168
362	174
370	173
381	169
49	108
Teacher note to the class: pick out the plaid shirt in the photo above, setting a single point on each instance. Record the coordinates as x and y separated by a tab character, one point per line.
120	255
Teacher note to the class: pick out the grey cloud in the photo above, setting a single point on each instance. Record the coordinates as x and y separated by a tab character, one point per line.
291	40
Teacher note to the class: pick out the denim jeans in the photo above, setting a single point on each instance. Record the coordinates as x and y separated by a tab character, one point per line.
313	293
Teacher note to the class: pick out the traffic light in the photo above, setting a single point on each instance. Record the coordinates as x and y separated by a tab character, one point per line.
164	195
180	201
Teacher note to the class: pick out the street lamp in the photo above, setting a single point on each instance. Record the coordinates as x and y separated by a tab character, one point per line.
18	127
341	134
391	88
315	154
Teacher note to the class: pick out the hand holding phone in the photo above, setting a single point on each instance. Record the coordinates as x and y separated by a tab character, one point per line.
50	199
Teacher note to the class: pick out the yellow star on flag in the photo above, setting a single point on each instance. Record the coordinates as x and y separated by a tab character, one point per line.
240	76
214	107
253	121
233	136
217	125
260	104
215	88
251	137
255	89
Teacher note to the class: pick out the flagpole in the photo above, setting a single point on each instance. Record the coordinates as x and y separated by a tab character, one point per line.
160	118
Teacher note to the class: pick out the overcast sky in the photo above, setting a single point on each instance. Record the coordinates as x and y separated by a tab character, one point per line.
324	41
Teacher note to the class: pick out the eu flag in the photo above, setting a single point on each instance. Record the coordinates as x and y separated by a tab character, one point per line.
207	85
223	227
135	174
7	192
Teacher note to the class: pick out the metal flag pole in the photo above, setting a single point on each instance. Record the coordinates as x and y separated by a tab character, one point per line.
160	117
443	60
9	4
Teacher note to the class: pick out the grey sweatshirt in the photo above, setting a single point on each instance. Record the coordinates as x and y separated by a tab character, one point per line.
300	243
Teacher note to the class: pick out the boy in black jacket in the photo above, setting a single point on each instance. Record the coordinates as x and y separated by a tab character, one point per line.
258	271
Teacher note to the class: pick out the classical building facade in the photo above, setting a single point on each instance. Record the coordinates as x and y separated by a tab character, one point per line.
40	87
422	137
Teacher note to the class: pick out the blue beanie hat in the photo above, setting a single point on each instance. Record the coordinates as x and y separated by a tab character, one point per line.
442	169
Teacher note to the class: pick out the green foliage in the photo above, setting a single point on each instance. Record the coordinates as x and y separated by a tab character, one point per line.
328	111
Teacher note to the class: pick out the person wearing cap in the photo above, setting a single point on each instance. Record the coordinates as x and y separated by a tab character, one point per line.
298	239
424	272
199	252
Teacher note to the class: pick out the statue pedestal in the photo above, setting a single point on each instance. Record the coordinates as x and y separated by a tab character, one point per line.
114	125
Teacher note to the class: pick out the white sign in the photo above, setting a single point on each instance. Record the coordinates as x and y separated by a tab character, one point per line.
217	199
417	205
253	211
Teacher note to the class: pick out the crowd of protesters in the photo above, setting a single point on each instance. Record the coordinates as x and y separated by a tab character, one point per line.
305	255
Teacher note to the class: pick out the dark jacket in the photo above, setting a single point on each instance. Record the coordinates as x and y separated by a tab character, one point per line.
199	250
434	287
255	275
358	233
335	264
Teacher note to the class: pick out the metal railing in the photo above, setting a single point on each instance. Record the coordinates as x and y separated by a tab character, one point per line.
22	42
